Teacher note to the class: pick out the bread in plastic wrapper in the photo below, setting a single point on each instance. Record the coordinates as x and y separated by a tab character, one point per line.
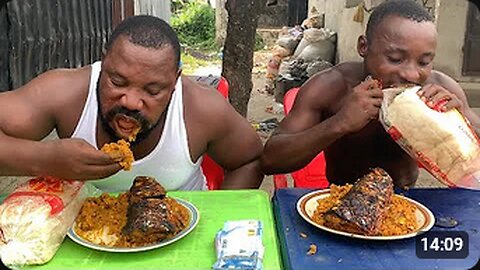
35	217
443	142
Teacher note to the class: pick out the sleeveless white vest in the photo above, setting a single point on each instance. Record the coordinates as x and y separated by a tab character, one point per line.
169	162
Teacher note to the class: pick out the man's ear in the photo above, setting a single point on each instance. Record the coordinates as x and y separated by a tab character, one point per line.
362	46
104	54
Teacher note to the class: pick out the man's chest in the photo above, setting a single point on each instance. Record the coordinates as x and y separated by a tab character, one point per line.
371	142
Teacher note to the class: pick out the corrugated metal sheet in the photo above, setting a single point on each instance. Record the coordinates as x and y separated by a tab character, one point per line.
158	8
4	77
47	34
121	9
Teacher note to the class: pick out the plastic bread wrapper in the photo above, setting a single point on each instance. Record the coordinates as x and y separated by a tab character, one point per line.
35	218
239	245
444	143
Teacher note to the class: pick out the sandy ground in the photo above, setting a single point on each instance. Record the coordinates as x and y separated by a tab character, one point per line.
261	107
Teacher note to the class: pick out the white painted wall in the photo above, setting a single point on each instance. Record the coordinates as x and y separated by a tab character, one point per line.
340	19
318	4
348	34
450	19
451	27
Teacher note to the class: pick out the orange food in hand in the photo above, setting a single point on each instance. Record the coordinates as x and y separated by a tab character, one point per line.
120	152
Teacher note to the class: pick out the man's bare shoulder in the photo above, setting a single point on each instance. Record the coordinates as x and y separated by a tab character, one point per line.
331	83
202	98
69	79
440	78
208	115
50	100
336	76
56	84
61	82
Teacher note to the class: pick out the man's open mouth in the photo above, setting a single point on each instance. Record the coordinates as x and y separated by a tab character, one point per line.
126	127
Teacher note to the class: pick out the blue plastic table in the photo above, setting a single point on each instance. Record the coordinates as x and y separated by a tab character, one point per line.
339	252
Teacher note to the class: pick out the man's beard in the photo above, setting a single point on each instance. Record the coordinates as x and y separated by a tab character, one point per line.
145	126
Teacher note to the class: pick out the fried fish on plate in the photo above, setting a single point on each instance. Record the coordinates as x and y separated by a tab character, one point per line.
364	206
151	215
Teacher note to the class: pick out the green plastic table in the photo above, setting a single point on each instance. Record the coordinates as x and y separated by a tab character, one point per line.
194	251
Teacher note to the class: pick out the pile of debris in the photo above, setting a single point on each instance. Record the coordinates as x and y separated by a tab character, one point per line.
298	54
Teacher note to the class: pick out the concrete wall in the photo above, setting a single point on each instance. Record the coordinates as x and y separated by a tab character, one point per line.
274	16
269	22
451	26
221	20
331	9
348	35
339	18
318	4
349	29
450	18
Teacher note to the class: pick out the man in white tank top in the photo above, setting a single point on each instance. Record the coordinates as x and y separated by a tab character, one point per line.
138	84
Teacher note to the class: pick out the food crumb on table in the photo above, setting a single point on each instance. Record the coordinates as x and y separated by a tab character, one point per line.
303	235
312	250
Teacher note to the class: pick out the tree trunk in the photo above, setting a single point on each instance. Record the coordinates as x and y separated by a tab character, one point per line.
221	19
238	50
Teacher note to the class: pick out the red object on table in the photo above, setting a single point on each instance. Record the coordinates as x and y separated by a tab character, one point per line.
313	174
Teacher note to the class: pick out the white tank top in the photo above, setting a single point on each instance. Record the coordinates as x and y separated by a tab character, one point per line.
169	162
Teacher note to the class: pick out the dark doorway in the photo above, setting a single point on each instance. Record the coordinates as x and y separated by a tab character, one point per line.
297	11
471	50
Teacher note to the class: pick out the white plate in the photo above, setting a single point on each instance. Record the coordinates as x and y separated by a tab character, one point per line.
307	204
194	218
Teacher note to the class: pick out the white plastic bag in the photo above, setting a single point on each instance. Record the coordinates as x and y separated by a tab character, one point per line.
316	44
443	142
35	217
239	245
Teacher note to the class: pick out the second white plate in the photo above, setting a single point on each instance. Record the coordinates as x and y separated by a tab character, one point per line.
307	204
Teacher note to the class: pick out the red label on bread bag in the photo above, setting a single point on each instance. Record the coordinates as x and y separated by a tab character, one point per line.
439	105
55	202
394	133
46	184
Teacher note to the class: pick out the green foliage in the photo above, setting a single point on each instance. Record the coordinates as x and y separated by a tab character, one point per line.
259	44
178	5
195	25
191	63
